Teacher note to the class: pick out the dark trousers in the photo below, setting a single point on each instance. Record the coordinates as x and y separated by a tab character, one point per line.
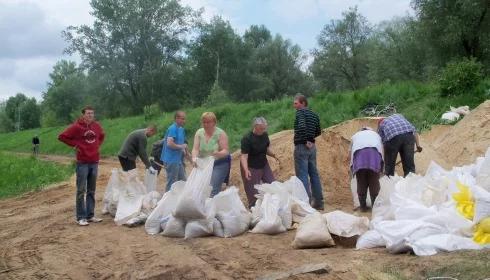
126	163
259	176
366	178
405	145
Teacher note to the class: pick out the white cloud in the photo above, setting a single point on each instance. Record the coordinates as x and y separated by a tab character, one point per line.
294	11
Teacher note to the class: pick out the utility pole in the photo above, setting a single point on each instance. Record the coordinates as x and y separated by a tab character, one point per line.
17	124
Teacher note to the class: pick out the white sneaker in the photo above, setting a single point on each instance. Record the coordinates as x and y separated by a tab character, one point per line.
82	222
94	220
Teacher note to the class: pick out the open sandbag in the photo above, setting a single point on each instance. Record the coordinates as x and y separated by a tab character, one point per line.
164	209
313	233
130	199
231	213
191	204
111	195
150	181
269	222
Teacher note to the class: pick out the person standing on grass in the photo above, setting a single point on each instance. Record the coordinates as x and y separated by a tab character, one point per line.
306	129
398	136
254	166
86	136
134	146
35	145
174	150
366	164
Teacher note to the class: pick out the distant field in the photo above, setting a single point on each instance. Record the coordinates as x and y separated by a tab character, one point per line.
22	174
420	103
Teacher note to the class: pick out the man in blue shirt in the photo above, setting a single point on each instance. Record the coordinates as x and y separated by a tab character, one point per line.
174	150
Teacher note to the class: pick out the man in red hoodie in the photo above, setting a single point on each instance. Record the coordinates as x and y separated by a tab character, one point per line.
85	135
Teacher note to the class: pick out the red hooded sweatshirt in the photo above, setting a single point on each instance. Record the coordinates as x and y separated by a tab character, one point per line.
87	139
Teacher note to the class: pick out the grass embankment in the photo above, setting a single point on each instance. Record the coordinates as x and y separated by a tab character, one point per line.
420	103
22	174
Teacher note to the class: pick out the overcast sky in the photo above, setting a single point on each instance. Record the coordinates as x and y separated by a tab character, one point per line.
31	43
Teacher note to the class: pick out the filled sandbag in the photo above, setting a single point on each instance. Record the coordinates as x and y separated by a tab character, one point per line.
175	227
313	233
370	239
191	204
162	212
346	225
270	222
111	195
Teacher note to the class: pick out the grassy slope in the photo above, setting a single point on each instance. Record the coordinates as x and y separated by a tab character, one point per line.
419	102
25	173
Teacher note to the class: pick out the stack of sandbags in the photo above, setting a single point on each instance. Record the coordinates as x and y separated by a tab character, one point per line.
441	211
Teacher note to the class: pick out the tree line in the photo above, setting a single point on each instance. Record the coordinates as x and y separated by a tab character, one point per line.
160	54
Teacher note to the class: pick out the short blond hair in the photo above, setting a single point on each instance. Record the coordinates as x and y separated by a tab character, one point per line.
209	116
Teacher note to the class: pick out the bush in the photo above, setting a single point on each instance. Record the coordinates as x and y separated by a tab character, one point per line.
217	96
151	112
460	77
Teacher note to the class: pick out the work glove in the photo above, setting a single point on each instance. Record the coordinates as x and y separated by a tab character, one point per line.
152	170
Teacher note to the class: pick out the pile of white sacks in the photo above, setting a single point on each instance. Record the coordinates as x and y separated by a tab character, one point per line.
454	113
419	213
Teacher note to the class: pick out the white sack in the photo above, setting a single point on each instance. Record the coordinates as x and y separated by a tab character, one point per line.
175	227
191	204
300	209
130	199
346	225
150	181
450	116
433	244
270	222
296	188
370	239
313	233
233	216
164	208
482	204
483	177
111	195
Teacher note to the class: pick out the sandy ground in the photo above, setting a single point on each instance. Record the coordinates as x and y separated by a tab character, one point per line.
40	240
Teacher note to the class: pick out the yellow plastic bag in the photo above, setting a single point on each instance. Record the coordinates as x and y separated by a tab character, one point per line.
482	232
464	201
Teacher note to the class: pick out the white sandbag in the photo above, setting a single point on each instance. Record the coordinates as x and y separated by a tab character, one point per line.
482	204
296	188
399	234
313	233
191	204
228	200
256	212
300	209
483	176
370	239
160	215
450	116
218	228
270	222
199	228
355	197
346	225
284	207
233	223
382	206
150	181
138	220
462	110
150	201
111	195
175	227
433	244
130	200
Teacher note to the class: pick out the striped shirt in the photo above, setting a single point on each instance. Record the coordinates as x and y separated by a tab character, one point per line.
393	126
306	126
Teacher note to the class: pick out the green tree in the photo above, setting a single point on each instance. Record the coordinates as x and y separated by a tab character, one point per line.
456	28
65	94
341	60
23	112
133	43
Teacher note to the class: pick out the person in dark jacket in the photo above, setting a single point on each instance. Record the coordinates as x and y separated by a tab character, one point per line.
86	136
134	146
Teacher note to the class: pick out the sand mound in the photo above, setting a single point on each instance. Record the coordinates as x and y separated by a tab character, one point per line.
447	145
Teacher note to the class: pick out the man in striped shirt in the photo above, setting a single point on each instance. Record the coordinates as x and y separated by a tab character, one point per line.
306	129
398	136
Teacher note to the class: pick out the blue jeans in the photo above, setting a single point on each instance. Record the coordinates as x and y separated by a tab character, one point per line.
175	172
221	174
85	198
304	165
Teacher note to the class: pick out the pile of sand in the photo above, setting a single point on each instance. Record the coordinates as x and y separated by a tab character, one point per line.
447	145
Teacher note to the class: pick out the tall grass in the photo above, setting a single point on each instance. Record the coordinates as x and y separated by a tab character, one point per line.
21	174
420	103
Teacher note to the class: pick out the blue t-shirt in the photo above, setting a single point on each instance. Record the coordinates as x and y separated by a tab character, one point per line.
170	155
